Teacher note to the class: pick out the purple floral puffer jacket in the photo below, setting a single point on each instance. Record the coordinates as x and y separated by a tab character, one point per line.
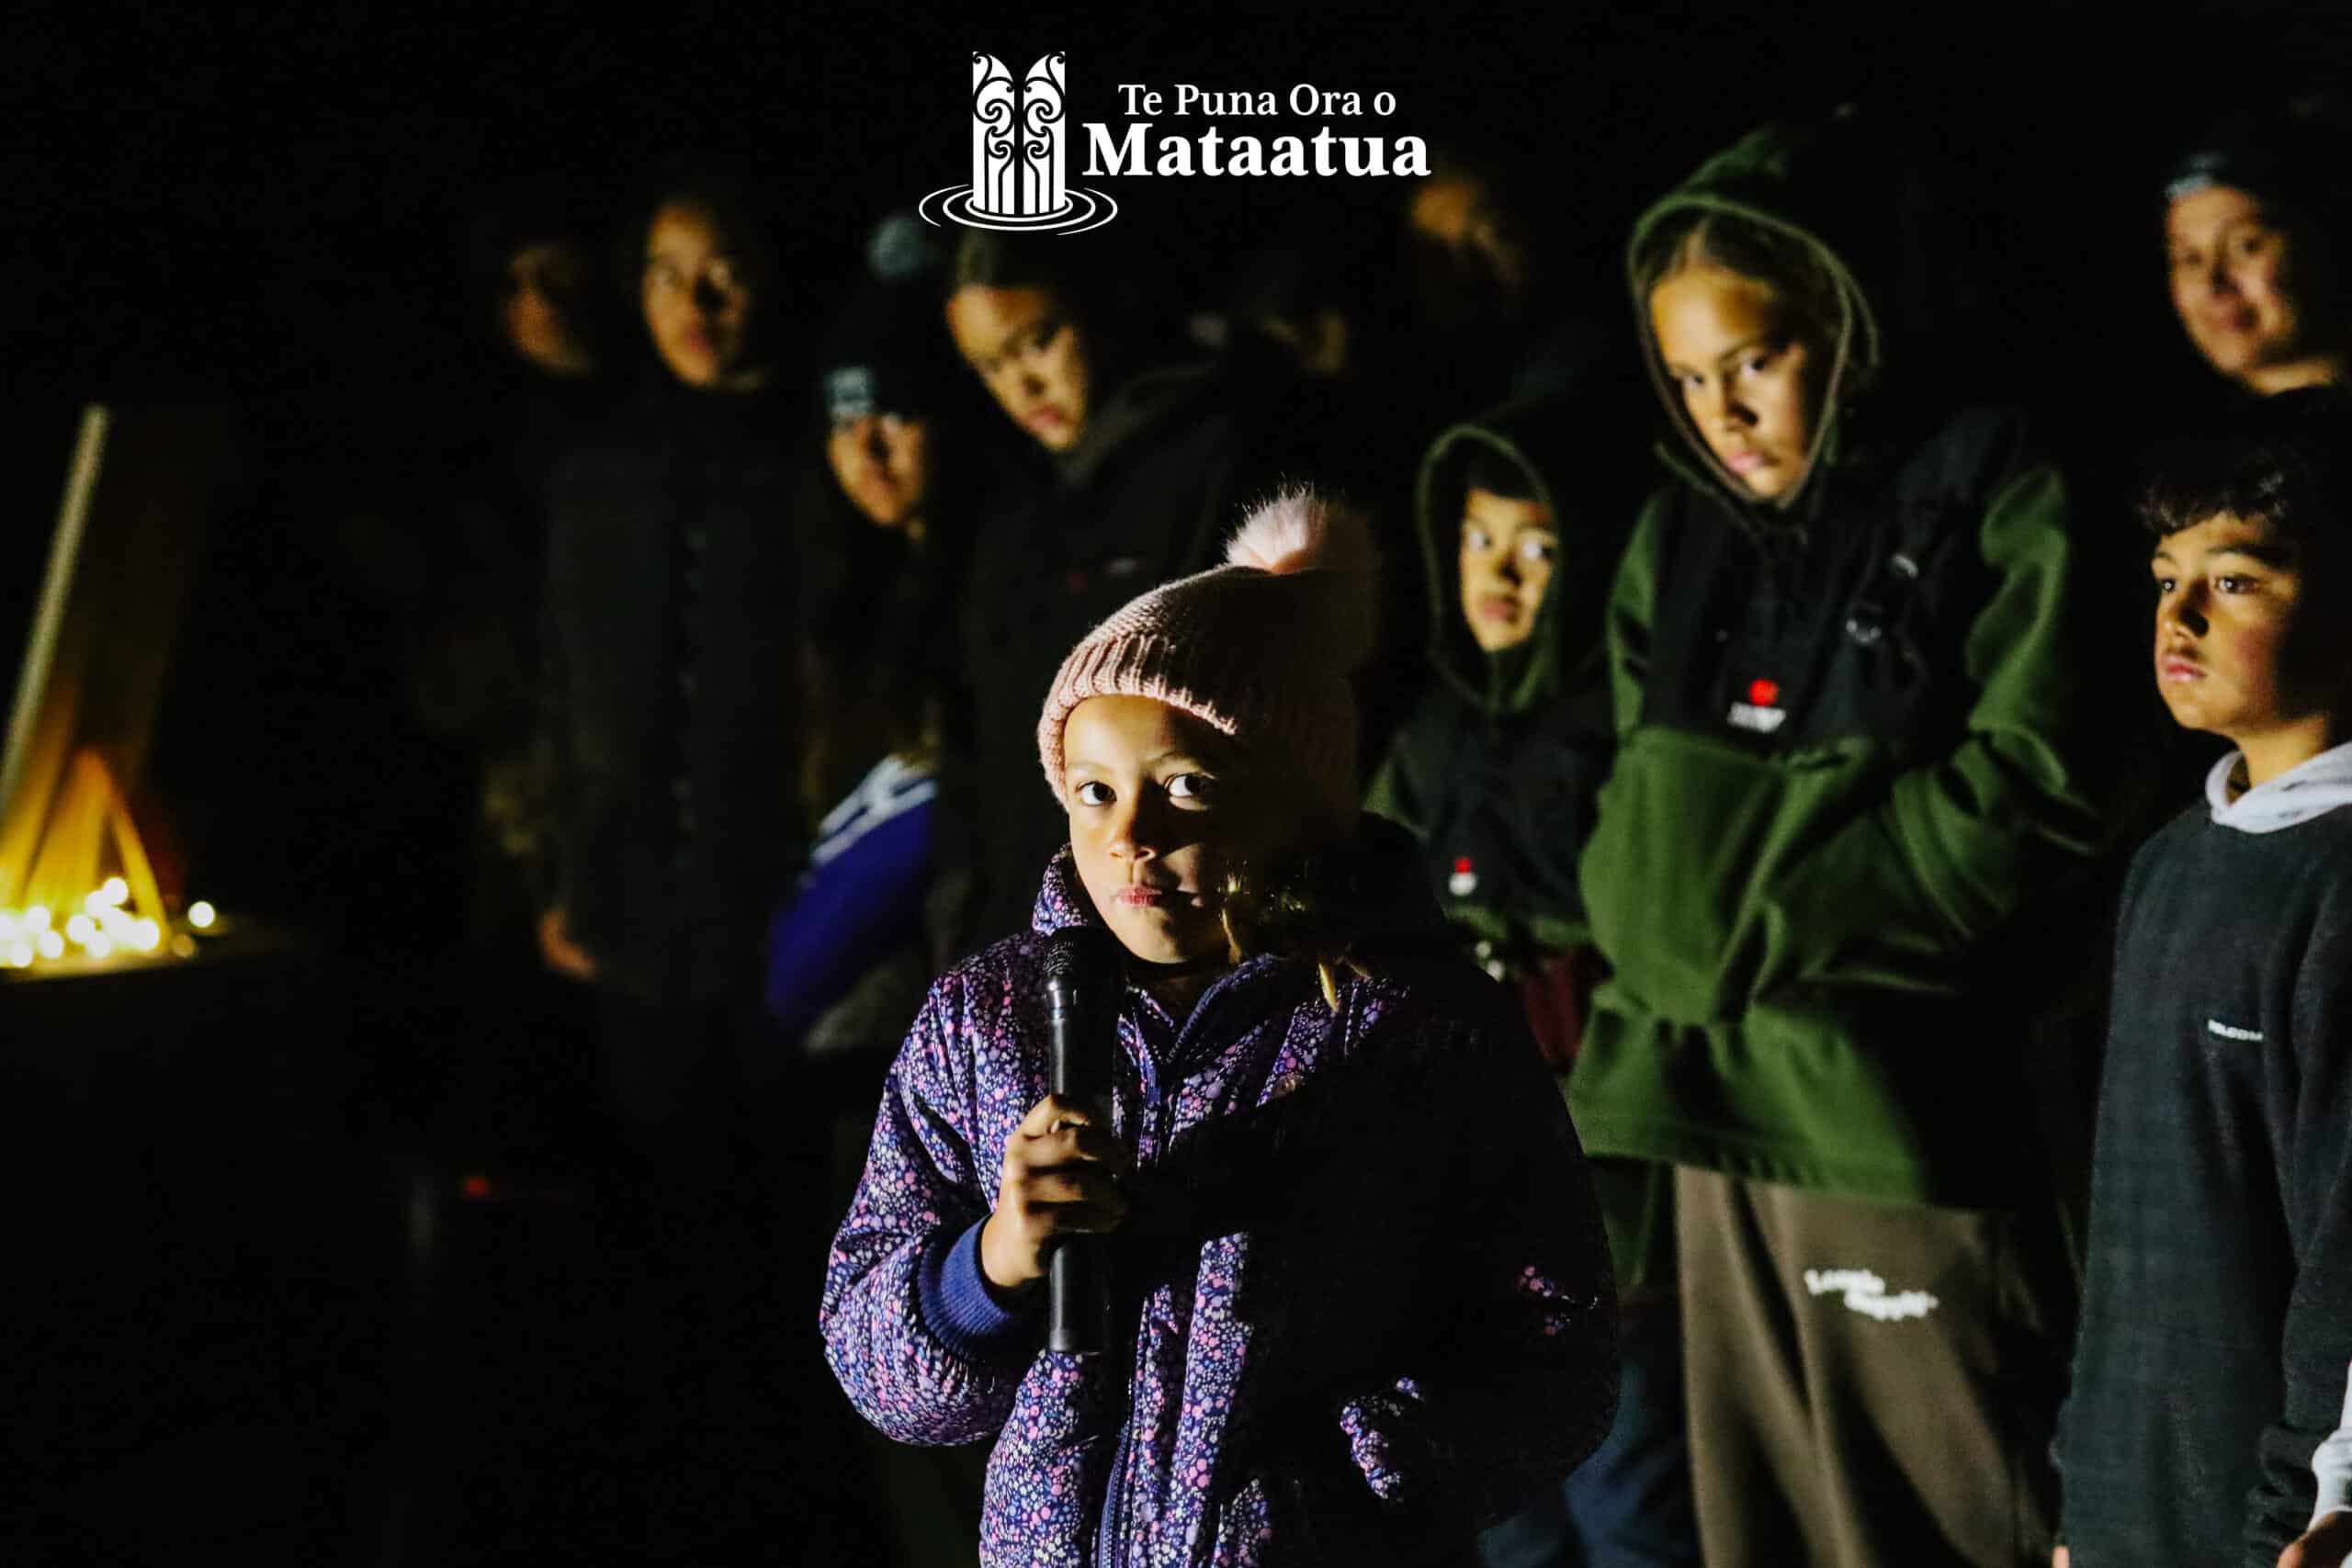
1361	1304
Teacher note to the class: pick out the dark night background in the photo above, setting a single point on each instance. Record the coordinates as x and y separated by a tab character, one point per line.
262	213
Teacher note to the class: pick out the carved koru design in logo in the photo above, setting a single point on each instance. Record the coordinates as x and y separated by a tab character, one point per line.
1019	156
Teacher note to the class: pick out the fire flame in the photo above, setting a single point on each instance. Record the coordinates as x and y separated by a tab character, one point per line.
87	896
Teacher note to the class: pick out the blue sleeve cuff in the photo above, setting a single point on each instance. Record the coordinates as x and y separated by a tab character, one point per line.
960	1306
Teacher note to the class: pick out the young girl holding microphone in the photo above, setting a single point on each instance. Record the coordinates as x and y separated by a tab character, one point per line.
1360	1305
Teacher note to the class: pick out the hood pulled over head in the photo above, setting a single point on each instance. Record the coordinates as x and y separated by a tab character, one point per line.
1778	207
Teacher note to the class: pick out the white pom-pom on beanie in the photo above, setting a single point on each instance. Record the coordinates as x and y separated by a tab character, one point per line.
1260	648
1299	531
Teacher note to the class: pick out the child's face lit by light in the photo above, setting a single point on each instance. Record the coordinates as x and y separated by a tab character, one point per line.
1160	813
700	295
1507	552
2234	643
882	461
1030	355
1748	376
2241	282
541	305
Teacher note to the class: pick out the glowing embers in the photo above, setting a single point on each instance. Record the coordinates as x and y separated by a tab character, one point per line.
105	930
102	934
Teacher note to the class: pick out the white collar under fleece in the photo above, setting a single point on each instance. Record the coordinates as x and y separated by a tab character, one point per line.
2308	789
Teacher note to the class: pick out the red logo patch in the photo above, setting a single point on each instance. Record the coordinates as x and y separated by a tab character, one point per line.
1763	693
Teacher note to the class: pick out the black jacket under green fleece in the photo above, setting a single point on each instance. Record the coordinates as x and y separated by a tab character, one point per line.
1496	769
1848	782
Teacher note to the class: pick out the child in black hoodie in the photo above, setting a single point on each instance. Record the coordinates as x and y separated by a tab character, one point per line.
1495	771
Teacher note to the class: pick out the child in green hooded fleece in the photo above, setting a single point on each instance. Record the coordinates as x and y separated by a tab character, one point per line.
1845	683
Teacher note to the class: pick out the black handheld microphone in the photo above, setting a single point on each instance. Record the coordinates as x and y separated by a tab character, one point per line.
1078	1281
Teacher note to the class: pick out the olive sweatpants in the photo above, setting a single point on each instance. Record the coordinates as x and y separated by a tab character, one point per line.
1869	1385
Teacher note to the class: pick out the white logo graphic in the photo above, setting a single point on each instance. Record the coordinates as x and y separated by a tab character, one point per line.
1865	1293
2230	1031
1757	717
1018	163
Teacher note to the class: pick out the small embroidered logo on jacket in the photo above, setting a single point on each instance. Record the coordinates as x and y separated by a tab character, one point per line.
1762	711
1865	1293
2230	1031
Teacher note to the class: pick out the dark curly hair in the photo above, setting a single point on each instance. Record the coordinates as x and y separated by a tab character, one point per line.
2285	459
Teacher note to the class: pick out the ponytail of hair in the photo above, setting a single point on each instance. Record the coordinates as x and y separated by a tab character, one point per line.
1295	912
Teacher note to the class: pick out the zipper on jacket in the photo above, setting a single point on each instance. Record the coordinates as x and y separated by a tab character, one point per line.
1196	1021
1110	1533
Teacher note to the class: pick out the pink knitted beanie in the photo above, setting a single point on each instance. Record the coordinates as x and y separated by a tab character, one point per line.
1260	648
